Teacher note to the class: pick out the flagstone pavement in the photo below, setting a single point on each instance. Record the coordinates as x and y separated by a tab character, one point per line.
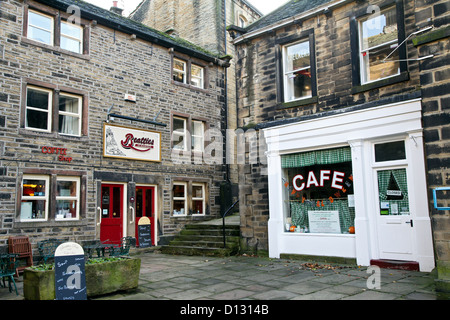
168	277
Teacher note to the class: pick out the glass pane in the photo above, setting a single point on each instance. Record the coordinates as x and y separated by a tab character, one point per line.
148	203
197	82
390	151
41	21
33	187
179	125
69	125
197	128
40	35
105	201
178	207
66	209
197	206
36	119
197	191
197	143
379	29
139	202
319	198
297	56
70	44
178	190
178	141
375	66
179	65
117	202
178	76
37	99
32	209
71	30
196	71
69	104
298	85
393	192
66	188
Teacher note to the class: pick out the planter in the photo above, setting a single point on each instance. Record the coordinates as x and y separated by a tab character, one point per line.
101	278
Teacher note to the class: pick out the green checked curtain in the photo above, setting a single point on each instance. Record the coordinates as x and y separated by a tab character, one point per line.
384	179
311	158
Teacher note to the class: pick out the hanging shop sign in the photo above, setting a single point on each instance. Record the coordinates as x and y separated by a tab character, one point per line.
133	144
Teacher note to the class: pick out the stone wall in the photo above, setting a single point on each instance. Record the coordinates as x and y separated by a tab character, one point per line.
117	64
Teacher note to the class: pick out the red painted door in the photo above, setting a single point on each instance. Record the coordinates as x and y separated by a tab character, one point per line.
111	228
145	207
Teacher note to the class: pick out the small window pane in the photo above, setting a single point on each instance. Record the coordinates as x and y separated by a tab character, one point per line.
298	85
390	151
32	209
40	27
71	30
37	120
379	29
66	209
37	99
33	188
40	35
71	44
66	189
178	191
197	191
297	56
375	65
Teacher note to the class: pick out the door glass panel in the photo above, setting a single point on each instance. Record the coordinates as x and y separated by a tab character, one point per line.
148	203
390	151
393	192
105	201
139	200
116	202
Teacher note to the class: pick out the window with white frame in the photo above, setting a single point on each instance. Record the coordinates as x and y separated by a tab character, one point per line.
179	71
67	198
179	133
40	27
35	198
38	109
198	198
297	71
70	114
198	135
378	35
196	76
179	198
71	37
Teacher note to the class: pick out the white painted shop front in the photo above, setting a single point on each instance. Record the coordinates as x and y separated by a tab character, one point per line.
351	185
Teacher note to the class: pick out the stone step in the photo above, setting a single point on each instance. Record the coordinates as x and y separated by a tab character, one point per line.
202	251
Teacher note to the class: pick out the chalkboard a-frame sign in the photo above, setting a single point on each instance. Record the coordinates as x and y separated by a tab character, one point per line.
144	233
70	277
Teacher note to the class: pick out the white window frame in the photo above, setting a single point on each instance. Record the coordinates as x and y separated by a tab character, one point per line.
79	40
185	185
202	198
363	65
49	109
288	74
45	197
183	72
201	137
200	78
72	114
177	133
52	35
70	198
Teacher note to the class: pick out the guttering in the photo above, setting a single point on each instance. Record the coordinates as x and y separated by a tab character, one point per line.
304	15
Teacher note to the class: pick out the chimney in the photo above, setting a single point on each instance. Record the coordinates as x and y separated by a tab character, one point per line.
116	9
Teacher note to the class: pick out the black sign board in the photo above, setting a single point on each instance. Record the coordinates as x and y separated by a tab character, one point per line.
70	277
144	233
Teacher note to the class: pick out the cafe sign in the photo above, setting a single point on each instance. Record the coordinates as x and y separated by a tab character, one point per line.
133	144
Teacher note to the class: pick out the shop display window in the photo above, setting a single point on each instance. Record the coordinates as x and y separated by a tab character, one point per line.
67	198
34	204
318	192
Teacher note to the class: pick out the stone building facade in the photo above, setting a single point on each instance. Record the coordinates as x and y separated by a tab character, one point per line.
103	121
204	23
326	91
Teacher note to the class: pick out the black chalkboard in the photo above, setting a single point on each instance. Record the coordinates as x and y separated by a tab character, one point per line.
70	278
144	236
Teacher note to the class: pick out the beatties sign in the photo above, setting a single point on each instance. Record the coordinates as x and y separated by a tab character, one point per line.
138	144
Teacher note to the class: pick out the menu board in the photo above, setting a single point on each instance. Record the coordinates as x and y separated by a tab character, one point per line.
144	233
70	277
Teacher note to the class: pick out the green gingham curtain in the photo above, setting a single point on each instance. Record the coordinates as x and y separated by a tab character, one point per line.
329	156
383	184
